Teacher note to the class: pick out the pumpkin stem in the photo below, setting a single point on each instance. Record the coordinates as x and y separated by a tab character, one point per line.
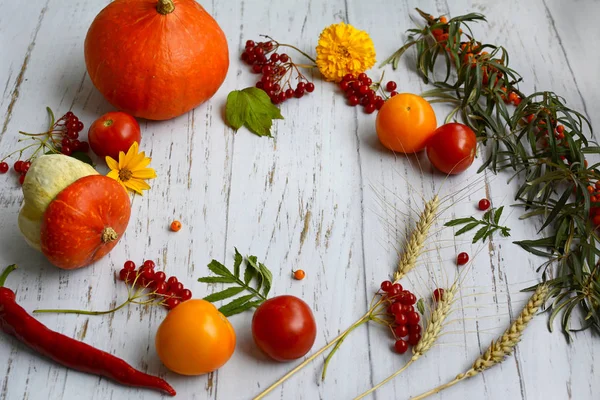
165	7
109	235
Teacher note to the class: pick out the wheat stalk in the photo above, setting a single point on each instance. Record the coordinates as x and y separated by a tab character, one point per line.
430	335
417	239
504	346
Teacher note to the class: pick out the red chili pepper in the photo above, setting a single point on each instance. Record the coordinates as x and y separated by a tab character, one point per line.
71	353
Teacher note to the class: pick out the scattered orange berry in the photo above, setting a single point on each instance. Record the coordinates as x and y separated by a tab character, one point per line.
560	129
560	136
590	189
593	199
175	226
596	220
443	20
299	274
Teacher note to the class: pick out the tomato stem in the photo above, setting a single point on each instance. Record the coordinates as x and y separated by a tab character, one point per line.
165	7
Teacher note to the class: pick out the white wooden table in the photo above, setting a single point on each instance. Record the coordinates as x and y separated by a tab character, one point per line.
305	199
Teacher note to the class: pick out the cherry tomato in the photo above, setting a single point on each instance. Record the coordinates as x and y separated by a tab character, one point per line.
405	123
284	328
452	147
194	338
113	132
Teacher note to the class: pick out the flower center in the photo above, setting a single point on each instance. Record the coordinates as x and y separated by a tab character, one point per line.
343	51
125	175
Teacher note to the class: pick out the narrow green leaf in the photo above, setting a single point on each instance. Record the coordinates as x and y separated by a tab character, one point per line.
244	307
466	228
236	303
237	262
480	234
268	278
224	294
216	279
498	214
557	207
421	306
218	268
459	221
249	273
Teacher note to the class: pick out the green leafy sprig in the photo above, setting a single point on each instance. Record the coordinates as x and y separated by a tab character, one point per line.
256	280
488	224
542	140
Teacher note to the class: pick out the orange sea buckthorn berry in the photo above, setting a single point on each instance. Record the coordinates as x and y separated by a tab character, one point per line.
517	101
596	220
512	96
585	164
560	129
443	37
597	184
299	274
593	199
530	117
443	20
590	189
560	136
175	226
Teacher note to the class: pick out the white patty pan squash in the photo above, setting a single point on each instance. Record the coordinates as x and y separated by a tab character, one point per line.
46	178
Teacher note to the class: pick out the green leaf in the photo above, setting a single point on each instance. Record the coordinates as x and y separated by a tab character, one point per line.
459	221
268	278
480	234
218	268
557	207
224	294
421	306
237	261
216	279
249	273
244	307
83	157
252	108
466	228
498	214
235	304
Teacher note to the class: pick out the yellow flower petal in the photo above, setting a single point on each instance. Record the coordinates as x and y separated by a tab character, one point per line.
142	164
137	185
147	173
112	163
114	174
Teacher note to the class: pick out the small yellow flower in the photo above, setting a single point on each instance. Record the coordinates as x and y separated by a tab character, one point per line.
132	169
342	50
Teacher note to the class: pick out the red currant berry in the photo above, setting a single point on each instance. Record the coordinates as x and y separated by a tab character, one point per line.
396	308
414	338
25	167
362	76
398	287
368	81
401	331
259	84
401	319
161	287
310	87
80	126
353	100
245	56
75	144
462	258
301	85
400	346
176	287
257	68
281	97
72	135
299	92
171	303
123	274
363	89
250	43
411	299
414	329
413	318
407	308
276	87
3	167
267	70
258	51
18	166
170	293
394	292
364	100
274	57
251	58
289	93
65	142
68	115
66	150
185	294
344	85
391	86
379	103
386	286
437	294
268	86
148	274
159	276
393	93
371	95
348	78
171	281
370	108
484	204
22	179
284	58
129	266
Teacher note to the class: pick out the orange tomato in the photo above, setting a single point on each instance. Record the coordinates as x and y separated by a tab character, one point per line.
195	338
405	123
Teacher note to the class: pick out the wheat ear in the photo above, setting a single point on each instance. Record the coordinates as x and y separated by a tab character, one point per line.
430	335
417	239
504	346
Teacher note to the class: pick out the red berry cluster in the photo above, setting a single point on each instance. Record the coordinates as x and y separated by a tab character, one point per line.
69	127
405	325
170	290
361	90
277	71
61	137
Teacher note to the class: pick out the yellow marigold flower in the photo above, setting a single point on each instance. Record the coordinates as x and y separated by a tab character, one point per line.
132	169
342	50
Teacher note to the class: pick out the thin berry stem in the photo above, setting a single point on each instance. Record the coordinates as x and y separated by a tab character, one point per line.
85	312
340	341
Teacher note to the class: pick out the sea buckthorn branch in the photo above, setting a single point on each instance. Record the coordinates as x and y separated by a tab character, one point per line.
542	140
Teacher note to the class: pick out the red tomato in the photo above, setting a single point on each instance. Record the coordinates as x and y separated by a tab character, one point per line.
113	132
284	327
452	147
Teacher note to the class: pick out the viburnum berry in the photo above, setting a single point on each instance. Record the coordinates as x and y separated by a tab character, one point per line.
310	87
18	166
396	308
386	286
171	281
413	318
3	167
414	329
400	346
462	258
149	264
414	338
484	204
401	331
401	319
391	86
370	108
22	179
353	100
362	76
129	266
185	294
393	93
437	294
172	302
348	77
160	276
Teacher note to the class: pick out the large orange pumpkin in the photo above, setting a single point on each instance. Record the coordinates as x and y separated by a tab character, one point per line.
84	221
156	59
